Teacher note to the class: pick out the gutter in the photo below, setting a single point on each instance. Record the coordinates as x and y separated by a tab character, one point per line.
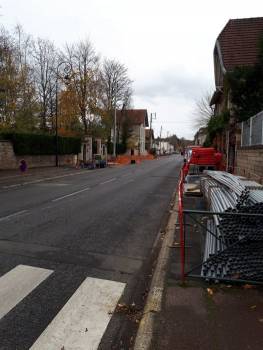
154	300
220	56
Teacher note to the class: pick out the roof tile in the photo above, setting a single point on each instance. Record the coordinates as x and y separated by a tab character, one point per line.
239	42
136	116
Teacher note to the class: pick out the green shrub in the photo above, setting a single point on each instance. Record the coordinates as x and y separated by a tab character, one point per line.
215	125
41	144
121	148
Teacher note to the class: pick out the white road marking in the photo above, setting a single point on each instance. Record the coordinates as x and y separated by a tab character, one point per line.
10	186
13	215
43	179
2	178
70	194
132	180
83	320
105	182
16	284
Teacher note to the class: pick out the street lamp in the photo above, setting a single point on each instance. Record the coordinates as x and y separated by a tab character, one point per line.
56	115
115	122
114	131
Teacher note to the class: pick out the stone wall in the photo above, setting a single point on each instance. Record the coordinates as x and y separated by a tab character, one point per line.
8	159
7	155
249	163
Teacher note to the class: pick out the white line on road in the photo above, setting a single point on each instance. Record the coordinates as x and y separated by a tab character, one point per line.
17	284
105	182
71	194
43	179
83	320
13	215
132	180
10	186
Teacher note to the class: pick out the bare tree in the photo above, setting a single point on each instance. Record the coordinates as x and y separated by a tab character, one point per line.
30	71
84	64
116	93
116	85
8	79
203	111
44	55
17	88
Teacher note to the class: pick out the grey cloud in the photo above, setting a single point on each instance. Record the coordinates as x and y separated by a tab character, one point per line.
173	84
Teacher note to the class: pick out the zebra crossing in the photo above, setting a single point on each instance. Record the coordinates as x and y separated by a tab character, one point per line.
81	322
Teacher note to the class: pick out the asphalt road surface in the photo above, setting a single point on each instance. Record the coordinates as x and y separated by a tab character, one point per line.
73	245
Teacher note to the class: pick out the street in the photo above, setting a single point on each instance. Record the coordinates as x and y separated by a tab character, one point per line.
75	244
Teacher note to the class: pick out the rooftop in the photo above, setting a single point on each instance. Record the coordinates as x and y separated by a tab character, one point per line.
136	116
239	42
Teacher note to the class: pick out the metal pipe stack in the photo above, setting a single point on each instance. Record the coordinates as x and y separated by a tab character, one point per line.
234	243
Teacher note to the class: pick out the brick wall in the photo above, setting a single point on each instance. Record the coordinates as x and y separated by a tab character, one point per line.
249	163
8	159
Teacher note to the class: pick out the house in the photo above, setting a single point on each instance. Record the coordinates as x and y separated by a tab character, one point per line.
131	124
236	46
166	147
200	137
163	147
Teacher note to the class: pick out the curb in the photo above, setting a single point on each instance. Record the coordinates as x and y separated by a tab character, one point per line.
154	299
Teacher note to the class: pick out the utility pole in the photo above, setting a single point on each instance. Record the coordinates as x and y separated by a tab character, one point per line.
115	123
151	119
114	132
167	143
161	139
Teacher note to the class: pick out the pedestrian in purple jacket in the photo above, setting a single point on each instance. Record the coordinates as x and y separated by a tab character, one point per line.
23	166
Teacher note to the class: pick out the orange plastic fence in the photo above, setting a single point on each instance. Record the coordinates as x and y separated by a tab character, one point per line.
181	223
125	159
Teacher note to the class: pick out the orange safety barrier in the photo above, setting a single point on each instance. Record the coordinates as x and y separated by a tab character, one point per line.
181	223
126	159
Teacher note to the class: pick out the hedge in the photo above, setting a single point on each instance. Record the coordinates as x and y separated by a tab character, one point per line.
120	148
40	144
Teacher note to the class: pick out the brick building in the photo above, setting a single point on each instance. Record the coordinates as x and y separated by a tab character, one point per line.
236	45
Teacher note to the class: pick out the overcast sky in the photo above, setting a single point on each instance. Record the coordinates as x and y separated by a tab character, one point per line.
166	45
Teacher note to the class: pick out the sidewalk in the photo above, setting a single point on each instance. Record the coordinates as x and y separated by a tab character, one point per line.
197	315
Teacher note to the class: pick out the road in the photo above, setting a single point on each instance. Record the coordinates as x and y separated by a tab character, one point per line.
73	244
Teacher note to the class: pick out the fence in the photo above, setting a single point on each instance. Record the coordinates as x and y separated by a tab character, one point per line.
252	131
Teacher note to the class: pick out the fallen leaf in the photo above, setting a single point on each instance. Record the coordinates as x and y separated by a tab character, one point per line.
260	320
248	286
209	291
253	307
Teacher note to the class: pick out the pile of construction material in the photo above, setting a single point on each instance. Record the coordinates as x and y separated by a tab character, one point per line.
234	241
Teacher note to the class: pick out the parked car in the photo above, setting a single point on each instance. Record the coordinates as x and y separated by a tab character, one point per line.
99	162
